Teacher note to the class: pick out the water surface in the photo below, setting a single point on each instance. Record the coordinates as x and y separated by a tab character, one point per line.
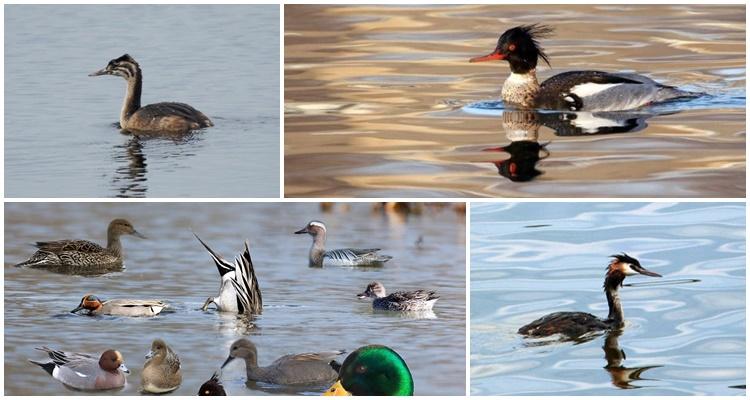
305	309
60	133
382	101
684	333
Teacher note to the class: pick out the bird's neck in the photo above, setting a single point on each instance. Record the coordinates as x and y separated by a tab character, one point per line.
611	288
520	89
318	249
132	101
113	243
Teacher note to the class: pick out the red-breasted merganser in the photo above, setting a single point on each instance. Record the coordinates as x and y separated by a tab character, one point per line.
573	90
575	324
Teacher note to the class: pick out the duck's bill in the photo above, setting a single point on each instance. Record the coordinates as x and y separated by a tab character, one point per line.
228	360
75	310
123	368
102	71
495	55
149	354
644	271
362	295
140	235
336	390
303	230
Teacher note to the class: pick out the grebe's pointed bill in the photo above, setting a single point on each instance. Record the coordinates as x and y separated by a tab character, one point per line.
644	271
495	55
103	71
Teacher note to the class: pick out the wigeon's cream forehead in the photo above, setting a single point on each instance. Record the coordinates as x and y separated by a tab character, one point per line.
318	224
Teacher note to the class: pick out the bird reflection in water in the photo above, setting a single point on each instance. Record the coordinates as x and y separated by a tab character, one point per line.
621	376
130	179
522	129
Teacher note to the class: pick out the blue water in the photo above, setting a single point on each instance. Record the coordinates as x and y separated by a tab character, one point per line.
60	133
685	332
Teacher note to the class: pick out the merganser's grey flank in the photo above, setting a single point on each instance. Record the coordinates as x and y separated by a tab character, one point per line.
319	255
83	253
573	90
418	300
239	292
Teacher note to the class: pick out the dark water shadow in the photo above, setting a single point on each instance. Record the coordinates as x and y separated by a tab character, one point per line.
622	376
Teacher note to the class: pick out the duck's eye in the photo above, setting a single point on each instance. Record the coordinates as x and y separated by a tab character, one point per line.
360	369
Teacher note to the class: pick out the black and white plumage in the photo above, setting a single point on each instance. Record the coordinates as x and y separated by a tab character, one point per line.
158	118
239	292
573	90
354	257
418	300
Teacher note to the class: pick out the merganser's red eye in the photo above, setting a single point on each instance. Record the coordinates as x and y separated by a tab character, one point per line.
511	47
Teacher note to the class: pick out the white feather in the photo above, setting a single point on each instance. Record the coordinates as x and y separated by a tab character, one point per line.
590	89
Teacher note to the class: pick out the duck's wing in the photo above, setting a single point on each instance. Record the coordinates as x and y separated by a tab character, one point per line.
417	295
60	357
173	362
59	246
222	265
249	299
155	306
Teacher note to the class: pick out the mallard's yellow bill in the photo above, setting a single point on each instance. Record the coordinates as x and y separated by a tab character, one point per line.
336	390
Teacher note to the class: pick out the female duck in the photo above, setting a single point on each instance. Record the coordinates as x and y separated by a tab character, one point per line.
575	324
573	90
161	373
373	371
123	307
83	253
418	300
159	118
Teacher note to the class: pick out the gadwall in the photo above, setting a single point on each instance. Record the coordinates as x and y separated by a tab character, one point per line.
84	371
418	300
355	257
373	370
123	307
161	373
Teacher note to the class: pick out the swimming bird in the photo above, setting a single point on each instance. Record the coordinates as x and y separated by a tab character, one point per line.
164	118
575	324
373	370
418	300
319	255
83	253
573	90
239	291
161	372
213	386
292	369
123	307
84	371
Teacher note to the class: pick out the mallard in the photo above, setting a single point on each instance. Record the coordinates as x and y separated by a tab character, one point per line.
373	370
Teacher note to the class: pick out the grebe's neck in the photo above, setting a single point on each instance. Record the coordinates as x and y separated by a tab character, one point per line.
132	101
612	284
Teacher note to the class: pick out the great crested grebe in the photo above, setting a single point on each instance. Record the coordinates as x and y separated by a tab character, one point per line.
575	324
573	90
166	118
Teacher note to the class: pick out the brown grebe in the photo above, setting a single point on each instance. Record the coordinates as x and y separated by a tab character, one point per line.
169	118
575	324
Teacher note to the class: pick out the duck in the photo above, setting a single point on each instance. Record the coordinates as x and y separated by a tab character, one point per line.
161	372
122	307
571	325
308	369
159	118
418	300
373	370
572	90
239	292
213	386
347	257
83	253
85	371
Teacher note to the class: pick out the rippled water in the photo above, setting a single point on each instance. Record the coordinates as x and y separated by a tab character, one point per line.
60	133
381	101
685	332
305	309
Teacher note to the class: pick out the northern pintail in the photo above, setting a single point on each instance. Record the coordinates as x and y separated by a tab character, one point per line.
161	373
418	300
83	253
239	292
373	370
84	371
213	386
124	307
292	369
319	255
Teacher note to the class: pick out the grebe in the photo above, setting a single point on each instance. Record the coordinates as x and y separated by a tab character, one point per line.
418	300
353	257
573	90
83	253
575	324
166	118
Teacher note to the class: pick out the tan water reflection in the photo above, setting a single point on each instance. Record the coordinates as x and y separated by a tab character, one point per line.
373	98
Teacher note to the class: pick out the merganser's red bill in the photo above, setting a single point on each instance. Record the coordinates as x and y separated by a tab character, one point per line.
496	55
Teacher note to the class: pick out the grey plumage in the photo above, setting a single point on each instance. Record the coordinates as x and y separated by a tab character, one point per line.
418	300
319	255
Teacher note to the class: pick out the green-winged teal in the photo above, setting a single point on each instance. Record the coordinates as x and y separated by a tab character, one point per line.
418	300
310	369
347	257
83	253
161	373
159	118
373	370
84	371
124	307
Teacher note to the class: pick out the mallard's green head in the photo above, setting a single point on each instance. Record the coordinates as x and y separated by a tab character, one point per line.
373	370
